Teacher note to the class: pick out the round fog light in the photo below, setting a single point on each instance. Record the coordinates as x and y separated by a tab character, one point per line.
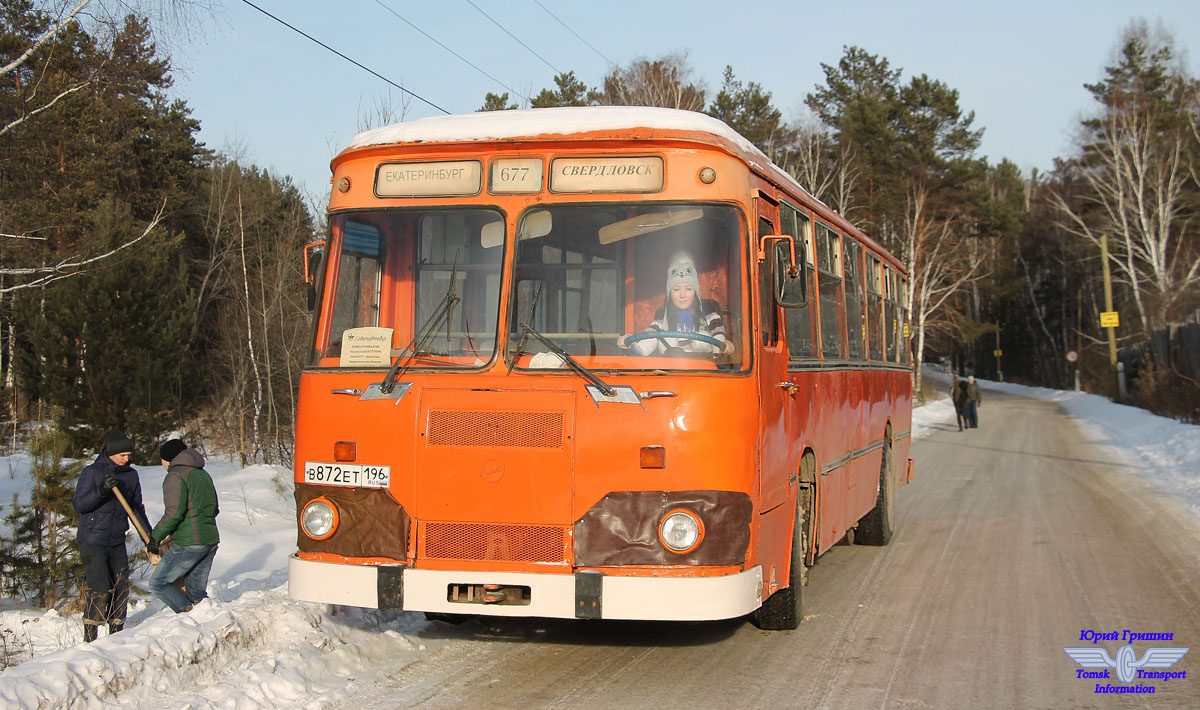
319	519
680	531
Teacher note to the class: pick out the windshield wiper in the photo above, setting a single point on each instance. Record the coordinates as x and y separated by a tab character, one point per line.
572	363
516	353
417	345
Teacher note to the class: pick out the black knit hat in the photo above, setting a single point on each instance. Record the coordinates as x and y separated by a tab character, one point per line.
171	449
117	443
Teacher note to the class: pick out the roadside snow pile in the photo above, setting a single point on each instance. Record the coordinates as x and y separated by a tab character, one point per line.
939	410
247	646
260	651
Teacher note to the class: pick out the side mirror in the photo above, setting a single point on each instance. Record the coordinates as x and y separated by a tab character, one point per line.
314	254
789	280
791	285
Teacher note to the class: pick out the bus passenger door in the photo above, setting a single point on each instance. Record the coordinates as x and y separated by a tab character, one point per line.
774	487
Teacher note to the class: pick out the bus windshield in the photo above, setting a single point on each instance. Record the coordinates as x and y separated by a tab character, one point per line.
432	277
629	286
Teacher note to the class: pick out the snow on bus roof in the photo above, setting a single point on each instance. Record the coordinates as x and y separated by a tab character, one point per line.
566	120
522	123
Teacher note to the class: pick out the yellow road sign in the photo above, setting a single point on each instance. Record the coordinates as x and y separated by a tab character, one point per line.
1109	319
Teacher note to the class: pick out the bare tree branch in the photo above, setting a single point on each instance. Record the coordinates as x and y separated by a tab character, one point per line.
36	111
46	37
67	268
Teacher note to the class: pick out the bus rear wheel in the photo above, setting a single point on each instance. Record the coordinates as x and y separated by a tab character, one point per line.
876	527
784	609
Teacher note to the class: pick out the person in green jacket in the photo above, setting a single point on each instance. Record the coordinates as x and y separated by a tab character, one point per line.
190	520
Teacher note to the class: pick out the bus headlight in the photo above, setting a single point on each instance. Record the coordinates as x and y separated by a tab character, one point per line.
680	531
319	519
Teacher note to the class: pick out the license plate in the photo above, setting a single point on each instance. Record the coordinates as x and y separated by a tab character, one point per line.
351	475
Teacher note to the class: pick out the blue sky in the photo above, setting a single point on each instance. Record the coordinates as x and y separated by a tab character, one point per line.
290	105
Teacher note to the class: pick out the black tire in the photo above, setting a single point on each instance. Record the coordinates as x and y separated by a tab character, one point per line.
784	609
453	619
877	526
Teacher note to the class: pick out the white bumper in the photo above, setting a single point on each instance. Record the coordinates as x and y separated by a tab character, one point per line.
563	596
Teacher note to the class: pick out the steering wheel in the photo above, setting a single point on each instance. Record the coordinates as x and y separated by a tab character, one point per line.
699	337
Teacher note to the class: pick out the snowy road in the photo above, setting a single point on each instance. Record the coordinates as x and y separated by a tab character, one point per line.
1014	541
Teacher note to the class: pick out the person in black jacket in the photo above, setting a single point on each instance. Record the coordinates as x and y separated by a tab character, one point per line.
958	395
102	527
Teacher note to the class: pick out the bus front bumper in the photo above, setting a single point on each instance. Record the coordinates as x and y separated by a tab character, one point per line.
584	595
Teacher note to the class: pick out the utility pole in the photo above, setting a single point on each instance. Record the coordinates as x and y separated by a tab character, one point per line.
1109	320
998	352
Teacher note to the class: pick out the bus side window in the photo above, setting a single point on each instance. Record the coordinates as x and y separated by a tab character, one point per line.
769	311
356	300
904	334
890	326
874	308
854	300
829	283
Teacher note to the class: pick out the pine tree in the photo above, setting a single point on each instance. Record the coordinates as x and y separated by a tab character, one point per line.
570	92
58	565
14	563
497	102
107	348
40	559
111	350
747	109
860	102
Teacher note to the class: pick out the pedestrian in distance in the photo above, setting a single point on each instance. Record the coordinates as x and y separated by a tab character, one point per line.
103	524
190	520
974	402
958	395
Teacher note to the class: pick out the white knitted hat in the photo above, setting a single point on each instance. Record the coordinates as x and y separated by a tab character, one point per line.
683	270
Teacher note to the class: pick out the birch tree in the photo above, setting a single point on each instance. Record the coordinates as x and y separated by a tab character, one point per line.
664	82
1138	160
254	313
827	169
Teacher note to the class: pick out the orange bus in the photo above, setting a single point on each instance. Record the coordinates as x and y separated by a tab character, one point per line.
603	362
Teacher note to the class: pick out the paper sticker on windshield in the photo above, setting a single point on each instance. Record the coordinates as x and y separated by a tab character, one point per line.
366	347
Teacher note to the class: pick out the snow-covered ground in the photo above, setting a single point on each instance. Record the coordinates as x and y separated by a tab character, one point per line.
250	646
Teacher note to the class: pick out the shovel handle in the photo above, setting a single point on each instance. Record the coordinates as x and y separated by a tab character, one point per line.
129	511
154	559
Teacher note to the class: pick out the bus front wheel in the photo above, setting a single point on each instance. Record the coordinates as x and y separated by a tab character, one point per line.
784	609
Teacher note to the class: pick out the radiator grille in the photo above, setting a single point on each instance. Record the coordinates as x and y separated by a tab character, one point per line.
533	429
517	543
